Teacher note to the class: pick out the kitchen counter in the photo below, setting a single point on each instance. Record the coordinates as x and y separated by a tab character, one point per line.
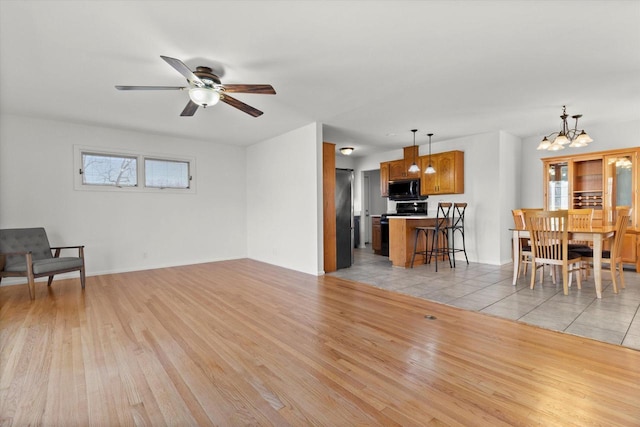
402	230
411	217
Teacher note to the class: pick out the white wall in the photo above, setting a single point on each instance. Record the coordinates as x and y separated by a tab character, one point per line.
122	231
284	200
510	152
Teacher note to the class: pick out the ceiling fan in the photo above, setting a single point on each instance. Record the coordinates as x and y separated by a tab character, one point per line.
205	89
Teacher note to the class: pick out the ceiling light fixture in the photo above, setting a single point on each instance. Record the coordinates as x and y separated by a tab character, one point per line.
574	137
414	168
429	169
346	150
204	96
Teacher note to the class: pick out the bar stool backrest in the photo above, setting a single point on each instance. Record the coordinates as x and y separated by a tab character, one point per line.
458	215
443	214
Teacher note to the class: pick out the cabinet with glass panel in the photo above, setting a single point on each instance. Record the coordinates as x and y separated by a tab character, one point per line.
602	181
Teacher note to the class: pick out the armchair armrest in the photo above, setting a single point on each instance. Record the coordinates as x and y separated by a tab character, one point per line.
57	249
15	253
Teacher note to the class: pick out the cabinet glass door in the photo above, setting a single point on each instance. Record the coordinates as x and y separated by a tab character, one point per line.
619	182
558	186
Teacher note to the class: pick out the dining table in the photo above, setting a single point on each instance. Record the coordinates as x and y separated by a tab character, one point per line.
596	235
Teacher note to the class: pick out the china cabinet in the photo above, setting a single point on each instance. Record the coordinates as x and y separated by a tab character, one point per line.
602	181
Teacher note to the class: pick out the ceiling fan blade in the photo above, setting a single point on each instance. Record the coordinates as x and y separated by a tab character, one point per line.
190	109
261	89
150	87
184	70
240	105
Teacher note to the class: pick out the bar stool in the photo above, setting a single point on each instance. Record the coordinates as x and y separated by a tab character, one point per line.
457	224
438	231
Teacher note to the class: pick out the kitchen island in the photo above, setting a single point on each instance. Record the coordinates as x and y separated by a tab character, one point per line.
402	231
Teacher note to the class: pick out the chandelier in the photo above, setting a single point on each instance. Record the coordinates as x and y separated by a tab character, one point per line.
574	137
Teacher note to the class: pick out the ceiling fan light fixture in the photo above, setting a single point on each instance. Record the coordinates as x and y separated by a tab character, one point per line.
204	96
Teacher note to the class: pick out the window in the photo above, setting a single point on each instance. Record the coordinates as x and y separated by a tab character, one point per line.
105	170
161	173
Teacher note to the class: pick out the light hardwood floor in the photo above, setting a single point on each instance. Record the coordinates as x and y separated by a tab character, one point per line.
246	343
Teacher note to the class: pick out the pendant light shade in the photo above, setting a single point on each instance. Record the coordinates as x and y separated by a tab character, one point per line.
414	167
430	170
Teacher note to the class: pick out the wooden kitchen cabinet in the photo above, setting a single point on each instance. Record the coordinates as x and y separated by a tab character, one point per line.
399	169
449	176
384	179
376	235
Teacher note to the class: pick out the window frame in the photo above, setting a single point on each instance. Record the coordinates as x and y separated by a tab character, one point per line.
79	150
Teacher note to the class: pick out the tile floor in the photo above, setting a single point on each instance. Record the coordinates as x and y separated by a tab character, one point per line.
488	289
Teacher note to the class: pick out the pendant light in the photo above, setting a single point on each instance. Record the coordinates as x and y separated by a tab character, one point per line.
414	167
430	169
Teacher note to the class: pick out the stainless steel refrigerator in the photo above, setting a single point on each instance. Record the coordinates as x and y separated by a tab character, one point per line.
344	217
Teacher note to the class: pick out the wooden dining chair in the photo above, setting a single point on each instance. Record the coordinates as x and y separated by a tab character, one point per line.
580	219
550	244
526	256
613	257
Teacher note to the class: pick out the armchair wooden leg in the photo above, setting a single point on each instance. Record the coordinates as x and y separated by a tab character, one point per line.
81	255
31	279
50	280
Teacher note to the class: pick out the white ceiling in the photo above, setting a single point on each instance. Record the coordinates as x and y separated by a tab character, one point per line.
369	70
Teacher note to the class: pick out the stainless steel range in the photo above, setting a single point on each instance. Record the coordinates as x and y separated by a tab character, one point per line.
402	209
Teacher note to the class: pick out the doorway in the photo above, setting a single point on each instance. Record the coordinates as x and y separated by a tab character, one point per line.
372	203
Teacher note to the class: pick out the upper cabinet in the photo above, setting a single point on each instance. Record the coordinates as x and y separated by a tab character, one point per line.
449	176
448	179
384	179
399	169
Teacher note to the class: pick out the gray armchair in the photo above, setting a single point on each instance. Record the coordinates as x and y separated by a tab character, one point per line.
25	252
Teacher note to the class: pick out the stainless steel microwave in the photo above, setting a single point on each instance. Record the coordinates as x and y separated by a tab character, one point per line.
405	190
